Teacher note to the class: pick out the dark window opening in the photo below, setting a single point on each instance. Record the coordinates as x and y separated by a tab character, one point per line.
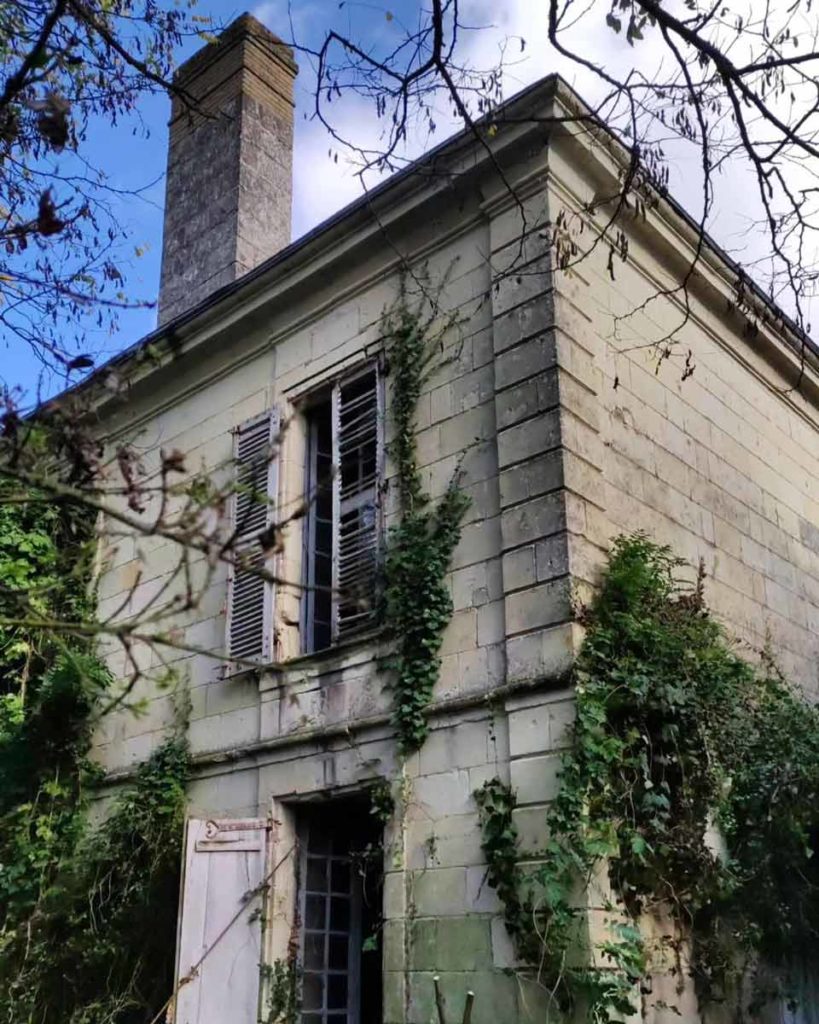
318	548
340	898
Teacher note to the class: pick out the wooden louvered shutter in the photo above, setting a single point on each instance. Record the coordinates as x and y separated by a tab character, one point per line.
250	598
219	945
357	453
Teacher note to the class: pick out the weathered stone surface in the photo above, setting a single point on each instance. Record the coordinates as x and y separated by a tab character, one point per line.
450	944
536	780
228	187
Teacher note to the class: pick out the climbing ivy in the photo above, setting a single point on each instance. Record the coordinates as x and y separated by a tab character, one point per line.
382	802
693	776
496	803
282	981
87	915
418	605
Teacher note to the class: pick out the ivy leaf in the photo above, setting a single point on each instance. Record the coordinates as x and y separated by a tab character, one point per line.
638	845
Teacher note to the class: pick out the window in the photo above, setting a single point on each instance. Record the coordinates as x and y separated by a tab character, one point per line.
250	596
344	454
340	911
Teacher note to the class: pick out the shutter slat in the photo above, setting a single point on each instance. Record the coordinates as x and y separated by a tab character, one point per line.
364	486
357	443
253	456
250	597
358	430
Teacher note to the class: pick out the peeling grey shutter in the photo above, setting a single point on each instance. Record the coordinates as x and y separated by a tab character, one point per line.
250	598
357	420
219	944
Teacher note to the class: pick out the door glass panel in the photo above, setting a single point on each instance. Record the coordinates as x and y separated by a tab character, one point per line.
340	907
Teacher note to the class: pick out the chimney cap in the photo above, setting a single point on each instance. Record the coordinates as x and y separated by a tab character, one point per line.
243	28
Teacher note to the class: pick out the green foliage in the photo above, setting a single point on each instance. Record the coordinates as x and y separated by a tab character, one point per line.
45	560
417	603
675	734
87	916
48	688
282	980
382	802
496	802
94	942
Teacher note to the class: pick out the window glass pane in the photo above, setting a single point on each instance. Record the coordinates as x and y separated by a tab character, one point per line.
322	635
325	435
323	576
341	876
337	991
318	530
341	840
319	841
312	991
338	953
315	915
324	536
339	914
314	950
316	874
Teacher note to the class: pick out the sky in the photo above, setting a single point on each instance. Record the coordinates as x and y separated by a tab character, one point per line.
133	153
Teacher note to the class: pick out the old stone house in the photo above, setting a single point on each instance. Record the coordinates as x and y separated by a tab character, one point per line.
566	436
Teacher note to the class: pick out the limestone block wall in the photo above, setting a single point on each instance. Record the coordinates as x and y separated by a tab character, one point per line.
723	464
195	412
322	725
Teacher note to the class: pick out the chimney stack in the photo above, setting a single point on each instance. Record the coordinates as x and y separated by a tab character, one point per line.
230	164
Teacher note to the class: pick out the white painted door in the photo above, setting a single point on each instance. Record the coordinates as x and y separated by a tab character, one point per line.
220	929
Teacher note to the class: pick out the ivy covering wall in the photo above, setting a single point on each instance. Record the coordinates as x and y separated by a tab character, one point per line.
693	782
87	915
418	605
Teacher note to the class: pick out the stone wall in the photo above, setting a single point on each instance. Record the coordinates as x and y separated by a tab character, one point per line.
322	724
723	464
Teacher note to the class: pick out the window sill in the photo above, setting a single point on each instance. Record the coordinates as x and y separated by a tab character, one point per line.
358	650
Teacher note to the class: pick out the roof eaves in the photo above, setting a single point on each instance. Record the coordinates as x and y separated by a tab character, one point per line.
392	188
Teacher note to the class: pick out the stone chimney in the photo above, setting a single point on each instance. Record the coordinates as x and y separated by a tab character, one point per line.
230	164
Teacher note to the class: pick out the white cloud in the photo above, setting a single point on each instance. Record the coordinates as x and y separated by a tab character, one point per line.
325	175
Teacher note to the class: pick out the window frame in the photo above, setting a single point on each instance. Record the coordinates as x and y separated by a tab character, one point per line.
353	932
314	820
331	392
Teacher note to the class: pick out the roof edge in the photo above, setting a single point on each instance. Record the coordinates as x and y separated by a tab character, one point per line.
398	184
